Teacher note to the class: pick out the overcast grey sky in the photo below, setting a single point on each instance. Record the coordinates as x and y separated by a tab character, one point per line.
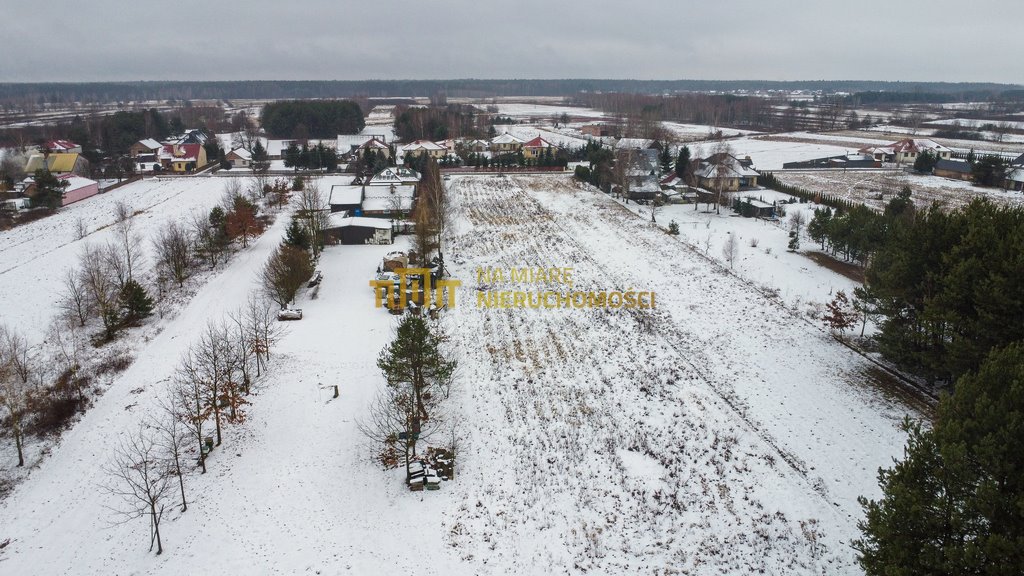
911	40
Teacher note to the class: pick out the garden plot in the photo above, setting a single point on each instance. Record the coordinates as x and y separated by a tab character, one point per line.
717	433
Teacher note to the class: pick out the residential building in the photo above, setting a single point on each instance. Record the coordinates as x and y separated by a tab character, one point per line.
506	144
394	175
145	148
239	158
727	171
182	158
58	163
66	146
537	148
907	150
421	147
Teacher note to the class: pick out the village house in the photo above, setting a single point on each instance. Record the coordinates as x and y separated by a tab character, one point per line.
58	164
725	171
1015	175
424	147
393	201
394	175
506	144
239	158
76	188
182	158
66	146
145	147
374	145
906	150
537	148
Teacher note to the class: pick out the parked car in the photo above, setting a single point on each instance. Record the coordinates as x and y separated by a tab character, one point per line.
290	314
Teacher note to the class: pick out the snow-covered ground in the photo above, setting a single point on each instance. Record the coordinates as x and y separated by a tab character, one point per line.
527	111
717	433
529	132
36	255
770	154
864	187
685	132
975	123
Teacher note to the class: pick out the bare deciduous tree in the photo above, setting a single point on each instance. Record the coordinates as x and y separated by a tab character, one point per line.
314	210
102	287
172	436
285	272
731	249
75	299
172	247
129	241
186	402
14	394
139	478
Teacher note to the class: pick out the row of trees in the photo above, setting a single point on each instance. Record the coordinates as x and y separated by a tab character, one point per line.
945	283
306	157
210	389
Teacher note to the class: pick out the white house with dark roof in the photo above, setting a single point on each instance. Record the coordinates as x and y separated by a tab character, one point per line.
394	175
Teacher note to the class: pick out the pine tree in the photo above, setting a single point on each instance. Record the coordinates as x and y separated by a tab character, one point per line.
135	301
49	189
953	504
665	158
683	163
297	236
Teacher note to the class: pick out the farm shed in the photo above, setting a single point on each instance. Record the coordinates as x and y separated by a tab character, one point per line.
344	229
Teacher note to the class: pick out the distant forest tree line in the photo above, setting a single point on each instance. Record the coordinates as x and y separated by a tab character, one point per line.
20	95
441	123
302	119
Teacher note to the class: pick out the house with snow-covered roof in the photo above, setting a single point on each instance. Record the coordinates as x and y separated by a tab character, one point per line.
907	150
75	188
424	147
727	171
239	158
182	158
538	147
394	175
66	146
145	147
394	201
506	144
375	145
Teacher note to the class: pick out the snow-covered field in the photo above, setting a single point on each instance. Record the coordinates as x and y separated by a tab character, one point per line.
711	435
35	256
686	132
717	433
526	111
864	187
769	154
